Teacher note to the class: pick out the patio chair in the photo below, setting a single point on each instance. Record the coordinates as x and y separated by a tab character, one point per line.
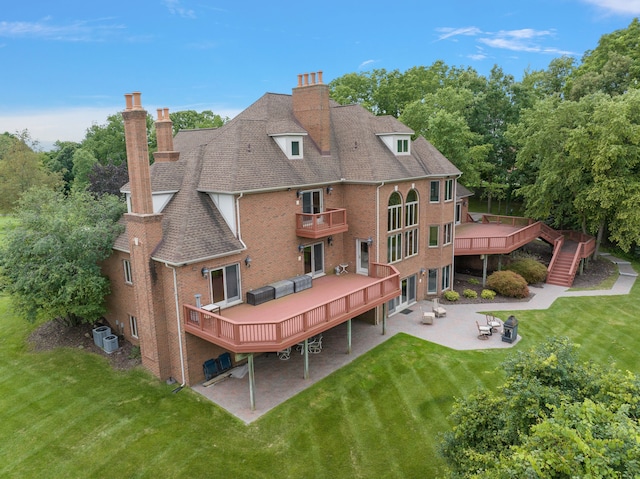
439	311
483	331
315	346
493	322
427	317
284	354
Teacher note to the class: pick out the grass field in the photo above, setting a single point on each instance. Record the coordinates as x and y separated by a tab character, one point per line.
67	414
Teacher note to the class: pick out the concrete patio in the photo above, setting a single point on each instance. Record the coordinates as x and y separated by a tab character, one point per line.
277	380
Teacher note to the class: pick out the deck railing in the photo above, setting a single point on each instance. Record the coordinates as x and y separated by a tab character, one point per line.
318	225
499	244
244	337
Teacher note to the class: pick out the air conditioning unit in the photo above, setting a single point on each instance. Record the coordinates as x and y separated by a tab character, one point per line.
110	343
99	334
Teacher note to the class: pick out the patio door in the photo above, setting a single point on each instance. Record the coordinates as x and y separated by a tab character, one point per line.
407	295
314	259
362	257
312	202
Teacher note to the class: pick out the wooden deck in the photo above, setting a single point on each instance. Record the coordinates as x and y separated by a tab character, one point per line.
491	238
285	321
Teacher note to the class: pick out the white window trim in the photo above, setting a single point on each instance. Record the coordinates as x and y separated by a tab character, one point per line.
447	237
448	190
430	187
128	275
437	236
133	326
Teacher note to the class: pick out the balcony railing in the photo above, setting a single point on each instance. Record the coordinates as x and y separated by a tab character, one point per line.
273	335
320	225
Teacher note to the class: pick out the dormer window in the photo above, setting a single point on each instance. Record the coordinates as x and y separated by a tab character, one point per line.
398	143
290	144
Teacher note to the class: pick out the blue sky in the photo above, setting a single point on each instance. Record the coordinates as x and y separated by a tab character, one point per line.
67	65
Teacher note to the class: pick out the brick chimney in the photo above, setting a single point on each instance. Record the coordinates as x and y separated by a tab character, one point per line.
144	231
311	109
135	133
164	135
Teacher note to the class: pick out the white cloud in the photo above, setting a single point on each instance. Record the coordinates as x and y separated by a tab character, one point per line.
79	30
447	32
49	126
523	40
365	64
624	7
71	124
175	8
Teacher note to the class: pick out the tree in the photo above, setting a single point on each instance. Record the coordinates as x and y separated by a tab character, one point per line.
83	162
108	179
60	160
554	416
50	261
584	162
613	67
22	168
191	119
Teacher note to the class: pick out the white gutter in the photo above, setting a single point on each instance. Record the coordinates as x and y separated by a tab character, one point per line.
175	294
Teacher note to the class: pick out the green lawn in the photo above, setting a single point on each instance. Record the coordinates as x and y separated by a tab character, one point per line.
67	414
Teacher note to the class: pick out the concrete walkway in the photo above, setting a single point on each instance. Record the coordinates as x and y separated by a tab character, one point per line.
277	380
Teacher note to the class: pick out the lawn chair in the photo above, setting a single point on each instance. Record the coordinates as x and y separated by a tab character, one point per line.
224	362
483	331
438	310
493	322
210	368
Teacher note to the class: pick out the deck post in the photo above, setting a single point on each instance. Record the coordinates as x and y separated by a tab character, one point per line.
252	382
384	319
306	358
349	336
485	259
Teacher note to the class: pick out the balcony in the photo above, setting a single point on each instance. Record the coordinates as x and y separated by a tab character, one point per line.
283	322
321	225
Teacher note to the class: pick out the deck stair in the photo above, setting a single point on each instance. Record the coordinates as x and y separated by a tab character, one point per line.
562	271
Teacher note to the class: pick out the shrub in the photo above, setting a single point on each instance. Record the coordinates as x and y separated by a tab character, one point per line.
488	294
451	295
474	281
469	293
531	270
508	283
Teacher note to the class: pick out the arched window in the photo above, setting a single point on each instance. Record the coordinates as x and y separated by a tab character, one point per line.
411	209
394	218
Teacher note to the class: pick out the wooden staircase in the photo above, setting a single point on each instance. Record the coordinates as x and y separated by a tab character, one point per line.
568	252
563	268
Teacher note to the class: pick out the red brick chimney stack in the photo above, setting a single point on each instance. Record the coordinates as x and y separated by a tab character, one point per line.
311	109
144	230
164	135
135	132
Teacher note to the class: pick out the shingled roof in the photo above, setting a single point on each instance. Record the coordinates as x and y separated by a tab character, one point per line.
242	157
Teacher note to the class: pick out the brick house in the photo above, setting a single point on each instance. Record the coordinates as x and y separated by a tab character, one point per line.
297	215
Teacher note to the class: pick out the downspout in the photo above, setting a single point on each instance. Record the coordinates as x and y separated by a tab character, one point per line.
238	219
175	294
378	221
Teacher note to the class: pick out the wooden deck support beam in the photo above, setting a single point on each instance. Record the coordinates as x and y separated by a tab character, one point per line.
252	382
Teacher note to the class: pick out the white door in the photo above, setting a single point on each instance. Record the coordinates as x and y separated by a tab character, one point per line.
362	257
